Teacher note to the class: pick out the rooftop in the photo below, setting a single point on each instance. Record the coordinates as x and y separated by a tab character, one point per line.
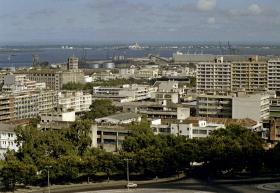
7	127
122	116
243	122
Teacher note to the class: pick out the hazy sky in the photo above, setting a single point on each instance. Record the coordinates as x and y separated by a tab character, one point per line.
85	21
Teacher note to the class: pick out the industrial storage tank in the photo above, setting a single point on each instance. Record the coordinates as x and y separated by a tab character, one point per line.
109	65
94	66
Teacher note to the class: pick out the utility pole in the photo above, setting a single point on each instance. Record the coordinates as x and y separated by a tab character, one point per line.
48	171
127	171
49	180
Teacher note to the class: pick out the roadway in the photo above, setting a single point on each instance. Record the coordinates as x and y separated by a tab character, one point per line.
192	186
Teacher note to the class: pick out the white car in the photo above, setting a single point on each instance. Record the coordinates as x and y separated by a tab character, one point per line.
131	185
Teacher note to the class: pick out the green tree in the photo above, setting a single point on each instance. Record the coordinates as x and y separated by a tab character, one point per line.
156	154
14	171
232	149
101	108
79	135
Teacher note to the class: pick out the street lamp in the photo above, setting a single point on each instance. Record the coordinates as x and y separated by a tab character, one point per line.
127	171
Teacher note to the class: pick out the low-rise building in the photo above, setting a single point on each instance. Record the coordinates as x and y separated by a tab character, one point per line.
7	139
125	93
127	73
255	106
57	116
104	76
200	127
147	73
237	106
74	100
214	106
154	110
109	137
120	118
166	98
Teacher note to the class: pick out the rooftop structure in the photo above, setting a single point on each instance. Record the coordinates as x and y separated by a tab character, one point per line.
121	118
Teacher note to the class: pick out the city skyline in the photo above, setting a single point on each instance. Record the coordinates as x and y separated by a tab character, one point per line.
82	21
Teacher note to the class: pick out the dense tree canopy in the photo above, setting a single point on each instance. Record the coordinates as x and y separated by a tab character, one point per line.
156	154
101	108
69	157
232	149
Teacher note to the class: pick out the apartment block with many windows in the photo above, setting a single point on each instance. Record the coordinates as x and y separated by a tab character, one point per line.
273	74
250	76
213	77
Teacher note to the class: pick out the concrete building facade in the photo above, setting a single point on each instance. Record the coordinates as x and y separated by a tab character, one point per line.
54	79
273	76
213	77
7	139
250	76
77	101
255	107
214	106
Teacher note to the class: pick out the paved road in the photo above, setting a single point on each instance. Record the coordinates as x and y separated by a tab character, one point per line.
191	186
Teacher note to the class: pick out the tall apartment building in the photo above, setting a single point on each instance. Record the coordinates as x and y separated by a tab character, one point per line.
273	76
25	105
72	63
47	100
213	76
251	76
77	101
7	111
